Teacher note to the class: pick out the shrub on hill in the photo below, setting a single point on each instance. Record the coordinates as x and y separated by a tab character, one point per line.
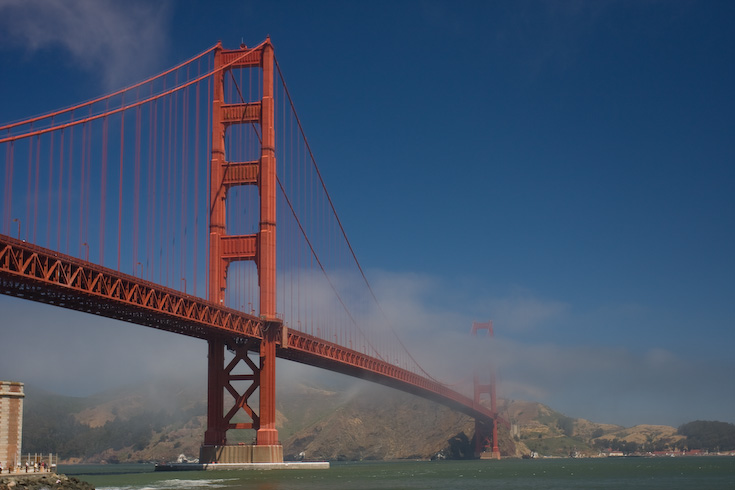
708	435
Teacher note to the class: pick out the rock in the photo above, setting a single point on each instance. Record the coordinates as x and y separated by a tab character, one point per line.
43	481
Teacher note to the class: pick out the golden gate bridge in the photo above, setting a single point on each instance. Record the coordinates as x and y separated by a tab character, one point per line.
191	202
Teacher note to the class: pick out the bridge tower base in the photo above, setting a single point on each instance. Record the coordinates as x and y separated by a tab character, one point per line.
490	455
245	453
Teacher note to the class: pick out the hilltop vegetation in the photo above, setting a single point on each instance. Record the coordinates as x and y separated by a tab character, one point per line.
707	435
158	423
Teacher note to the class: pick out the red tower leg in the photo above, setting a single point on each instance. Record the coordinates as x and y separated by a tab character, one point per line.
481	435
267	433
216	434
261	248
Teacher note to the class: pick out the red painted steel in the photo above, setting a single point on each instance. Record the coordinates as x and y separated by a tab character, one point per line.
241	113
481	436
216	432
43	275
38	274
241	173
267	433
307	349
261	247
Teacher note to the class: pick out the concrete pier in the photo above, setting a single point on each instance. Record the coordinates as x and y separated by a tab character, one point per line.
241	453
243	457
290	465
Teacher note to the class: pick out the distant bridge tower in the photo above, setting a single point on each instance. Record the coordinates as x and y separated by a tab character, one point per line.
225	249
481	435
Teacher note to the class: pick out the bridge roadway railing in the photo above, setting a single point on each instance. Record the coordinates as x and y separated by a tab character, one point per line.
39	274
314	351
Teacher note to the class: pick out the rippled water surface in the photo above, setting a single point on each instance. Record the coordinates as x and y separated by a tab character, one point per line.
611	473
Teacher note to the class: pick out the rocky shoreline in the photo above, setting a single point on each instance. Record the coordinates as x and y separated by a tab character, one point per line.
45	481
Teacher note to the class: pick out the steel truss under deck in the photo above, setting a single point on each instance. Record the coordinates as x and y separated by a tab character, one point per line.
38	274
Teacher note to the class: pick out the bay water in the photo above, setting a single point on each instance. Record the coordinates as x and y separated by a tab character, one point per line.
599	473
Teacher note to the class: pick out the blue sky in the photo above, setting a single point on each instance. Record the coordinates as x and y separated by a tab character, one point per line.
566	169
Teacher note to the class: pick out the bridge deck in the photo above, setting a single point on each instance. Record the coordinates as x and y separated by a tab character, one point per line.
38	274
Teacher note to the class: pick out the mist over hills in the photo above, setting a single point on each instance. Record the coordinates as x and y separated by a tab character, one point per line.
160	421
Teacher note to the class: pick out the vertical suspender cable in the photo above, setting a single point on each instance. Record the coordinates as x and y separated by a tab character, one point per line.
69	188
82	188
36	192
183	211
120	185
87	183
103	188
150	206
50	190
173	157
10	150
60	193
29	179
136	191
196	179
169	187
152	195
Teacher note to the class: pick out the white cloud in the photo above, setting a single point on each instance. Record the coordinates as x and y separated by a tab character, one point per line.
81	354
627	385
524	313
123	41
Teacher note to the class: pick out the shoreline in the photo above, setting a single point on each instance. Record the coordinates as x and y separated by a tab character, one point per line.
38	481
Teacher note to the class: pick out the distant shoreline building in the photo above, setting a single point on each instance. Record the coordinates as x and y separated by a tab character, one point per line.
11	422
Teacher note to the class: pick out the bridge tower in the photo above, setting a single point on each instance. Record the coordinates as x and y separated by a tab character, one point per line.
481	435
225	249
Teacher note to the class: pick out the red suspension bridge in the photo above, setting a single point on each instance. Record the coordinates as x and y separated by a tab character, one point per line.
192	203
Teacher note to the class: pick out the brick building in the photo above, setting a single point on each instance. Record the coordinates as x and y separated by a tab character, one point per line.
11	422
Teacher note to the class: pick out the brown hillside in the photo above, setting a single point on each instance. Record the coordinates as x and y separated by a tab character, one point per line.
380	423
642	434
347	423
